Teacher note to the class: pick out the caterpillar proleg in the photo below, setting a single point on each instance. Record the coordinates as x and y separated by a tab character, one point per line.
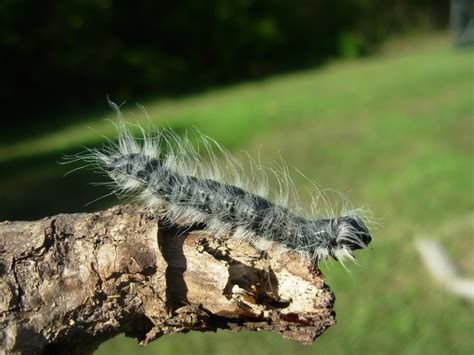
163	169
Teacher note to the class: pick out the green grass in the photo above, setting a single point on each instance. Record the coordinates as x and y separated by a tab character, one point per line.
393	132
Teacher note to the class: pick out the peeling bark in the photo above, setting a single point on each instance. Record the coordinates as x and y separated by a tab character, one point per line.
71	281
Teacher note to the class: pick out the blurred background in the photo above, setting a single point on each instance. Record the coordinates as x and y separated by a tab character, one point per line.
374	99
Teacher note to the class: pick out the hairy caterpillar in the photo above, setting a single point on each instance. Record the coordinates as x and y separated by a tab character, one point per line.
165	170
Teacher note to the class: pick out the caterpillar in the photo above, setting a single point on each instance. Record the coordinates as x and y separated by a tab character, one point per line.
166	171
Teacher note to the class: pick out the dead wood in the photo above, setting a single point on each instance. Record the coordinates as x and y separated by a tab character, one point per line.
71	281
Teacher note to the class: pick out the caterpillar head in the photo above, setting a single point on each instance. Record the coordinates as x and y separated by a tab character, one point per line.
335	237
348	233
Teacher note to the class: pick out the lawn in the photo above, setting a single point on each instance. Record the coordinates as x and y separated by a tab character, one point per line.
393	132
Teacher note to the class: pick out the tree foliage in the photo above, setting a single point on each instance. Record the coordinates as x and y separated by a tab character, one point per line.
68	52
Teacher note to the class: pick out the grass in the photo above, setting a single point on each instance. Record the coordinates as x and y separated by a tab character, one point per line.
393	132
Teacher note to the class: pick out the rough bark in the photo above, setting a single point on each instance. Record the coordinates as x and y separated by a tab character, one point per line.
71	281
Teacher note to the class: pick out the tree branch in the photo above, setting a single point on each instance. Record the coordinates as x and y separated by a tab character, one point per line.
72	281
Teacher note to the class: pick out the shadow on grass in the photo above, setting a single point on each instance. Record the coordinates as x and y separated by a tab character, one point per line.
45	123
35	187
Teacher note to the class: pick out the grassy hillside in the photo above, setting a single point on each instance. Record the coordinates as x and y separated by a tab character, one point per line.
393	132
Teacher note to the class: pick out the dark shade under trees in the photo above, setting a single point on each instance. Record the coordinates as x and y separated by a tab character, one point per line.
60	54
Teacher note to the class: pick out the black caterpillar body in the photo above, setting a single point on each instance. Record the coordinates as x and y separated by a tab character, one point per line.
165	170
